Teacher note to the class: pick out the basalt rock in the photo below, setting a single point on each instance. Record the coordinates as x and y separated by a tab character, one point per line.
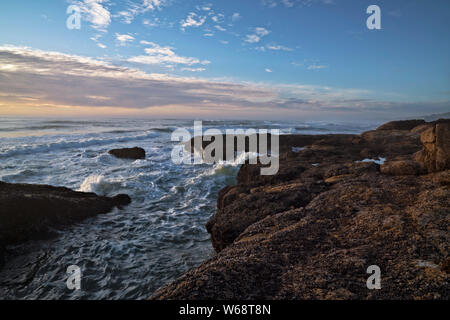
31	211
435	154
128	153
312	230
401	168
401	125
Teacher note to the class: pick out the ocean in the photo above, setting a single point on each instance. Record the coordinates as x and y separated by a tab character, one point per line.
129	253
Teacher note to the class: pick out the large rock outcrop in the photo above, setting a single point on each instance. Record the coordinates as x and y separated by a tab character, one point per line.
435	155
31	211
312	230
401	125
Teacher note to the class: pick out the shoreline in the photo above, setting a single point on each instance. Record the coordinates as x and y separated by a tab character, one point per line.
339	204
332	211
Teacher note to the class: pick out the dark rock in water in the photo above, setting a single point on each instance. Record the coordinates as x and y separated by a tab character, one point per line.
435	155
31	211
401	125
312	230
128	153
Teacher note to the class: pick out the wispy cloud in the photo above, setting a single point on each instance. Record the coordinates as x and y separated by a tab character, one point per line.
193	69
219	18
32	79
292	3
95	12
220	28
161	55
276	47
236	16
259	32
316	67
151	23
192	20
123	39
137	8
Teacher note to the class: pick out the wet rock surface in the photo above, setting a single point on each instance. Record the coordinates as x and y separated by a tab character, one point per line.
128	153
312	230
29	212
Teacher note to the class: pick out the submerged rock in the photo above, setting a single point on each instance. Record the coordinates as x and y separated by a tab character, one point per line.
311	232
128	153
31	211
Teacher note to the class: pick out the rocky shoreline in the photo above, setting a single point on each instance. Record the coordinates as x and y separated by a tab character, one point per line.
338	205
29	212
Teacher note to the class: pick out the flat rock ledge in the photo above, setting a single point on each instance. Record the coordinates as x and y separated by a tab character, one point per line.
29	212
312	230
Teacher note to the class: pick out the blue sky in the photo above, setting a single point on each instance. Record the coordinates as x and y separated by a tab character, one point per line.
252	58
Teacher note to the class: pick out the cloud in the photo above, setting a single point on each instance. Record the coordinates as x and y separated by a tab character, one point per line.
206	7
96	38
252	38
123	39
220	28
268	70
288	3
160	55
219	18
192	20
137	8
235	17
127	16
193	69
292	3
316	67
278	48
94	12
49	77
259	32
33	79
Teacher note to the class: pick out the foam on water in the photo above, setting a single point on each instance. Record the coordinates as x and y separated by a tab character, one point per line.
100	185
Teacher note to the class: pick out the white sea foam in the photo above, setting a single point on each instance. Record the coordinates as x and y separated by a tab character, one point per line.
379	161
100	185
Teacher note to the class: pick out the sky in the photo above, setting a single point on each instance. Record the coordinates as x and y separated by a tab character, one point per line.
227	59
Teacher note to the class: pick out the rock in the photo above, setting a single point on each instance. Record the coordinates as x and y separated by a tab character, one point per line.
321	250
128	153
339	178
31	211
240	207
311	232
435	154
401	125
389	142
421	128
401	168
